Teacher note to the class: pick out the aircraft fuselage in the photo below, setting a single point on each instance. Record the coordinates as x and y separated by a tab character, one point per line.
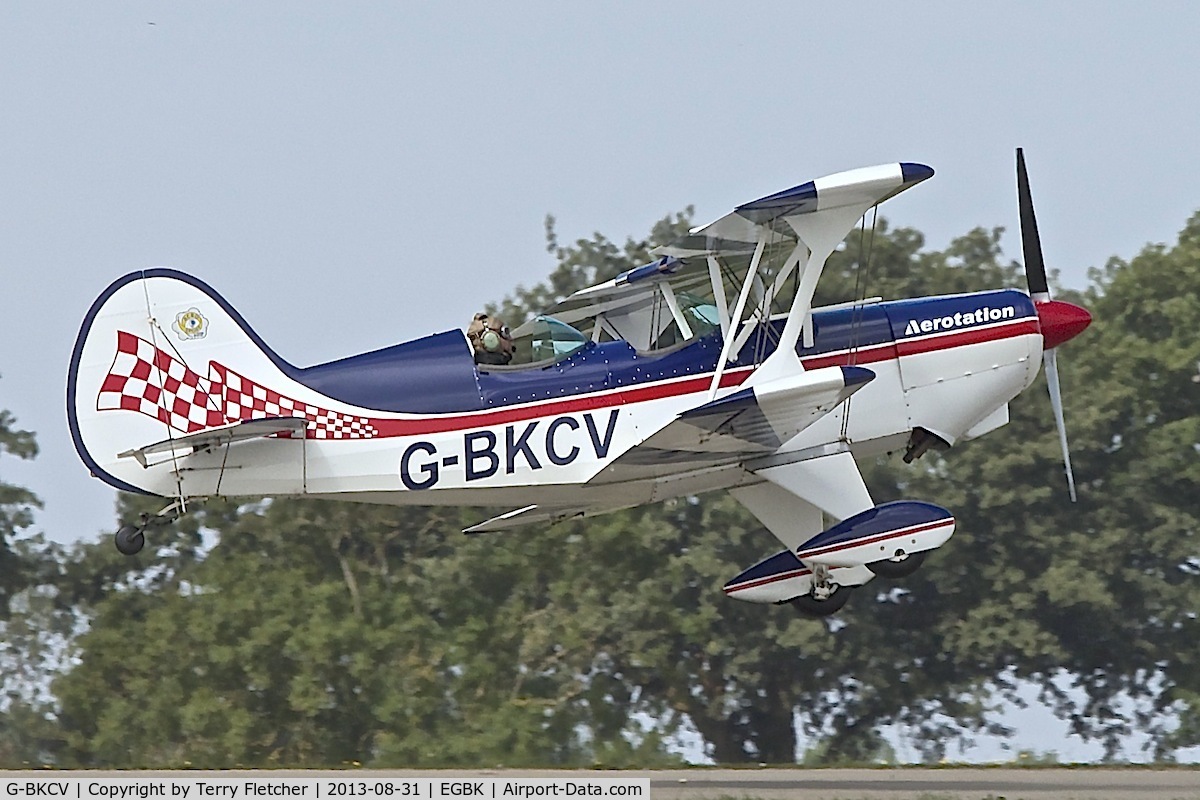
947	364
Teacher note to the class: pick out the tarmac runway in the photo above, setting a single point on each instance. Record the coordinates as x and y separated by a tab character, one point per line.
971	783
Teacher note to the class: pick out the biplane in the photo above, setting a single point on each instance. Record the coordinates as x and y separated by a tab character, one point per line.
707	369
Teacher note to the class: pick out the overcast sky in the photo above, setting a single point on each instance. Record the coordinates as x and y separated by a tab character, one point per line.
352	175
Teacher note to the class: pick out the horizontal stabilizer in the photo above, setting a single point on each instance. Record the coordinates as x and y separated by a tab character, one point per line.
224	435
884	533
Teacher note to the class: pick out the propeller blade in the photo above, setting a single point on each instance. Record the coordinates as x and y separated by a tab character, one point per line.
1050	363
1031	243
1058	321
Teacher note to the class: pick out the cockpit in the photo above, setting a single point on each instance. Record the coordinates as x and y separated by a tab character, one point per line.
651	323
656	327
549	340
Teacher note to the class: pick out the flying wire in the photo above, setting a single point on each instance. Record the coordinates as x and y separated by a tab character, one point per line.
763	311
209	401
155	329
866	246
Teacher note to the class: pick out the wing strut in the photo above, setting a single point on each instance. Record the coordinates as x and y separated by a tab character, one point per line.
799	256
811	219
718	286
817	216
727	347
676	313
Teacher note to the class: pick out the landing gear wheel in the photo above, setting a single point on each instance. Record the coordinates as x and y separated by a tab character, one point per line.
898	568
810	606
130	540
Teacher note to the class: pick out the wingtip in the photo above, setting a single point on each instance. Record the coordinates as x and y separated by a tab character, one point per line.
915	173
857	376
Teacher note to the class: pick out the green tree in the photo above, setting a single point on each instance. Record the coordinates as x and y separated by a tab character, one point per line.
523	640
1139	461
320	633
37	645
1030	589
1033	588
17	505
323	633
31	645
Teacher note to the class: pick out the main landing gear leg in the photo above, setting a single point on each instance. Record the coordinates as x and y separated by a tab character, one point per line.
130	539
825	598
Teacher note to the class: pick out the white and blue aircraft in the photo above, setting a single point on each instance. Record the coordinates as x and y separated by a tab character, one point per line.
706	369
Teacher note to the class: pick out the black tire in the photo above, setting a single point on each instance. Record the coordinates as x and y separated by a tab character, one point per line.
130	540
898	569
810	606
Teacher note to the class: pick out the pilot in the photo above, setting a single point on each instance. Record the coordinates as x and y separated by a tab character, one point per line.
475	329
490	339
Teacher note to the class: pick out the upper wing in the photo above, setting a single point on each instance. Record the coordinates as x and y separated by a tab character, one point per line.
739	231
817	213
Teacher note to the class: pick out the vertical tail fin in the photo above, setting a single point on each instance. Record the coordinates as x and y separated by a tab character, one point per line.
161	355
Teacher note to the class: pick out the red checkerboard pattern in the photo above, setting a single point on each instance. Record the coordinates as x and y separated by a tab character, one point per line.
245	399
150	381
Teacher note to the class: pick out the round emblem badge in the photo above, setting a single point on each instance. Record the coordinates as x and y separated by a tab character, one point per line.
191	324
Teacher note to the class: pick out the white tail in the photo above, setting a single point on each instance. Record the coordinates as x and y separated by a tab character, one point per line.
160	355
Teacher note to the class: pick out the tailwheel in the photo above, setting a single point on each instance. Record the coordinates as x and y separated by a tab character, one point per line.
809	606
130	540
901	566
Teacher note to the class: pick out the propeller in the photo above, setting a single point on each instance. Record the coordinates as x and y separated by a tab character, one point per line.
1059	321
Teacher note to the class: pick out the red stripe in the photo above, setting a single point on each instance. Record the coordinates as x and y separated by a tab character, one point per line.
865	355
833	548
795	573
639	394
889	350
969	336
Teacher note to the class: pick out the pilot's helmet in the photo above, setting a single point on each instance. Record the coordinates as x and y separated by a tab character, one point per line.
496	336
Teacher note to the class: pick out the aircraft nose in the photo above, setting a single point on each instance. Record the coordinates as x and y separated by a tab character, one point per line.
1061	322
